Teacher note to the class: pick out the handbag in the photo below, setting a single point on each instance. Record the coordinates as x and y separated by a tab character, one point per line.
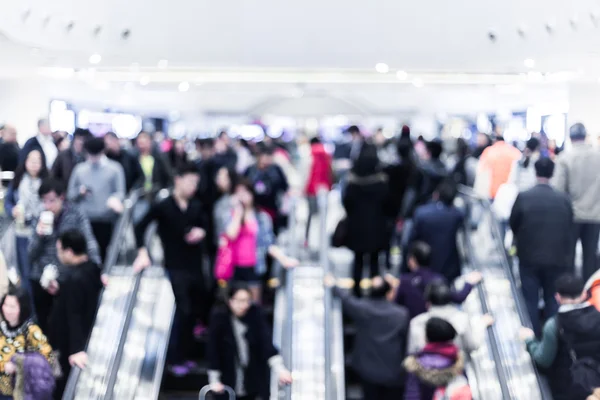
585	371
224	261
340	235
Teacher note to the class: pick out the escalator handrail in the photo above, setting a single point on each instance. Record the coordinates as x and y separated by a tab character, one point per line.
517	294
322	198
288	328
131	301
485	309
112	255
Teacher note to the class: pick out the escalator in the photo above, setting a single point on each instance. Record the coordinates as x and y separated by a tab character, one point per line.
308	326
128	344
502	367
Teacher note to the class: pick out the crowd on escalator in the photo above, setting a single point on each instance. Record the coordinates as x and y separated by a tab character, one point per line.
229	201
544	204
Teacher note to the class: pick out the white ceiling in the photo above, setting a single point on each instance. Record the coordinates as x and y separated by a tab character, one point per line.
415	35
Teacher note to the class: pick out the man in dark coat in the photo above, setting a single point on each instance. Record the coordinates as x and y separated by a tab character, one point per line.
437	224
43	142
542	222
68	159
9	151
75	305
134	176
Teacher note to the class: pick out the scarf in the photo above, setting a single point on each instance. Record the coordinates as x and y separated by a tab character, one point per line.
28	196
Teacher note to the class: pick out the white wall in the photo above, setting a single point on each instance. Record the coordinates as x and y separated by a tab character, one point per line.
584	106
22	104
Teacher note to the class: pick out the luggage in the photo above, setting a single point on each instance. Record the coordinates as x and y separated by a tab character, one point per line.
206	389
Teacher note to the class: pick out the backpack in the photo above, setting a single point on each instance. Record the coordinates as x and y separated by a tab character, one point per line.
585	371
457	389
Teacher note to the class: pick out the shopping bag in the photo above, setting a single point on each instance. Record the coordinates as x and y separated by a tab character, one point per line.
504	200
224	262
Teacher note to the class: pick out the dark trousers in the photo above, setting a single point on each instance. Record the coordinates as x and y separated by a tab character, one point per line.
61	383
534	278
313	208
42	302
103	232
589	234
190	301
373	391
24	265
359	260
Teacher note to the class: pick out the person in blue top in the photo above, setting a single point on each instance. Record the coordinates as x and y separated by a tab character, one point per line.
437	224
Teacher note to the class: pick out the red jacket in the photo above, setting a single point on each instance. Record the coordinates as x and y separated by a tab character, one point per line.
320	171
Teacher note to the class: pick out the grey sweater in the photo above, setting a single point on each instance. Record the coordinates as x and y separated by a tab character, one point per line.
103	179
42	249
576	174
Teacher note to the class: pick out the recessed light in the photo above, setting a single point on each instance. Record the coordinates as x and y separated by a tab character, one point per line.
95	58
184	86
144	80
382	68
401	75
529	63
418	82
162	64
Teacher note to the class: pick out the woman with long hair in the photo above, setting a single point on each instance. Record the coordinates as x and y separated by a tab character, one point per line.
24	205
19	337
240	348
250	231
522	173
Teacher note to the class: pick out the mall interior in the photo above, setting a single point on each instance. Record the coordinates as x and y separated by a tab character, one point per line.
192	191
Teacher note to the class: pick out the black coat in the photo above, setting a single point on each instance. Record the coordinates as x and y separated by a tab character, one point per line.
222	350
134	176
364	202
542	222
74	309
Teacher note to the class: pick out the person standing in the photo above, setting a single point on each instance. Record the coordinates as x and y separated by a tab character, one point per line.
576	175
157	174
542	222
98	186
437	224
23	203
574	329
68	159
74	310
9	151
381	330
494	166
134	176
364	202
182	230
43	142
42	247
320	176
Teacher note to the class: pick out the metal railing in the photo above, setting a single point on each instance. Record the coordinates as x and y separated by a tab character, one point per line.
322	198
288	328
116	247
485	309
516	294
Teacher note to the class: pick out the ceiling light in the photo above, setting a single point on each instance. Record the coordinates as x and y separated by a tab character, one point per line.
401	75
529	63
95	58
418	82
144	80
382	68
184	86
162	64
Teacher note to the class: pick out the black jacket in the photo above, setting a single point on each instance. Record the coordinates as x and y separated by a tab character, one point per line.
580	326
9	156
542	220
134	176
30	145
364	202
64	164
222	349
381	330
74	309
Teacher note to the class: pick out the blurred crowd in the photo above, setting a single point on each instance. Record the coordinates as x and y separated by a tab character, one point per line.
230	199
